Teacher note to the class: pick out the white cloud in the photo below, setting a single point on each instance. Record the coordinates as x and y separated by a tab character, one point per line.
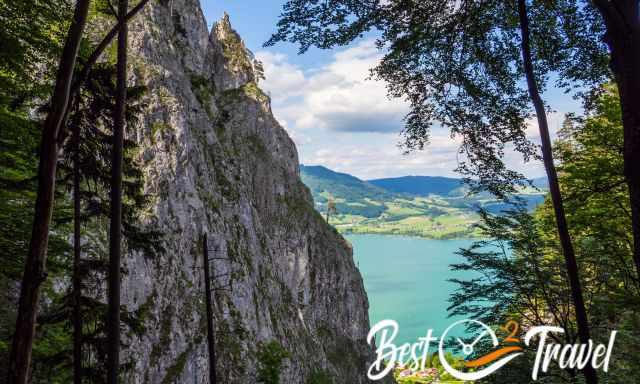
380	156
283	80
338	96
342	119
554	121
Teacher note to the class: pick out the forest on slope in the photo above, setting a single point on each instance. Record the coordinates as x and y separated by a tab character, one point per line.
424	206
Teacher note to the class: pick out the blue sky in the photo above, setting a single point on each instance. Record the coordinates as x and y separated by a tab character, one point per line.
255	20
336	116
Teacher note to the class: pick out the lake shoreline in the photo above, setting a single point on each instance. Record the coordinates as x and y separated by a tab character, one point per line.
345	233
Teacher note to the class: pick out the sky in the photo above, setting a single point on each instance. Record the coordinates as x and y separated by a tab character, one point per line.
338	117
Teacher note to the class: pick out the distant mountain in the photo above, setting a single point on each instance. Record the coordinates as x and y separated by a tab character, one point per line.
421	185
541	182
343	188
435	185
426	206
341	185
363	207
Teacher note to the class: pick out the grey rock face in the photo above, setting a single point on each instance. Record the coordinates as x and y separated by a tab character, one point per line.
216	161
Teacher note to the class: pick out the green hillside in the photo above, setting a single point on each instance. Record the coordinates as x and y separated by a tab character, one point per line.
351	195
422	185
431	207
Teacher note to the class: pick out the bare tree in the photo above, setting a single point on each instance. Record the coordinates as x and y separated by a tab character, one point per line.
76	283
554	189
331	208
210	332
115	231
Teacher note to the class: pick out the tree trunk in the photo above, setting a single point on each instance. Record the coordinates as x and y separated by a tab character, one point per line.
554	188
93	58
35	264
77	290
210	334
115	231
622	21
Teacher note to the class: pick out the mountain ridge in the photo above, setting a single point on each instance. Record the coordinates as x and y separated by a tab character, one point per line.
424	206
419	185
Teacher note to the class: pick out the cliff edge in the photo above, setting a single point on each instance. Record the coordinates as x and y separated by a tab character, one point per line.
217	162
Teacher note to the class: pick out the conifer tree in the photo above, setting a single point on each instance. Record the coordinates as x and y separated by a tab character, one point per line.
35	267
115	231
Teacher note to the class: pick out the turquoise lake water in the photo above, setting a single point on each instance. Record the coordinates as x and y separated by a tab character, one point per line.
406	280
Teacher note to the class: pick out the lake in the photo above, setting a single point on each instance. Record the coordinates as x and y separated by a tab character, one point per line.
406	280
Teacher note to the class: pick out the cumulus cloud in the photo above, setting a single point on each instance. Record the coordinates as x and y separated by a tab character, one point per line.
379	156
554	120
338	96
342	119
283	80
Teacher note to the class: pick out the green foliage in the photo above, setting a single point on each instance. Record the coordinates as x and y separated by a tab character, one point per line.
331	208
270	357
529	282
166	318
159	127
18	142
319	377
203	89
31	39
19	139
51	354
175	370
94	115
434	372
256	145
365	208
233	48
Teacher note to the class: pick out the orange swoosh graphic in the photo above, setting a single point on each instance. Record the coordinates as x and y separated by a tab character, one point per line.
491	357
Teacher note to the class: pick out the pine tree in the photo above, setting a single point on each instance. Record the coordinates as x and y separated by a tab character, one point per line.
35	267
115	246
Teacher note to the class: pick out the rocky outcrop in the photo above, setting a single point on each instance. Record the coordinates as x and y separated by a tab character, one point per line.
217	162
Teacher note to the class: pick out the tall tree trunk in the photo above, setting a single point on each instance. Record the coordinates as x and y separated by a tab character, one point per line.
622	20
207	294
35	264
554	188
115	232
77	287
93	58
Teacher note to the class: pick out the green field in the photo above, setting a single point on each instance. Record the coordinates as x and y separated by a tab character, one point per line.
436	208
424	217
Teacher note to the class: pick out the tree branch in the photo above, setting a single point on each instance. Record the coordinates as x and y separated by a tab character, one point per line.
93	58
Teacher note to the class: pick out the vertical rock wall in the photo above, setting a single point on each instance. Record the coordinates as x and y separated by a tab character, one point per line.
216	161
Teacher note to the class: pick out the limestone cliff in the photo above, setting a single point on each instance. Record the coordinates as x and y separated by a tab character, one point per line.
216	161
